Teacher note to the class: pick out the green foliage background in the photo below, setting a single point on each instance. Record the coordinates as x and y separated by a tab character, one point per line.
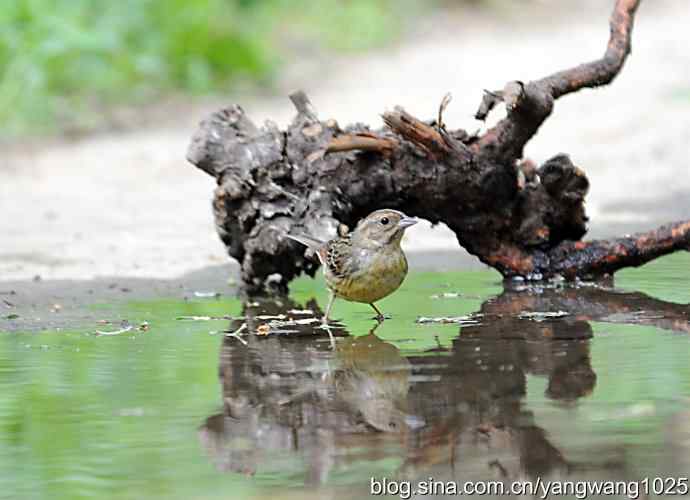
59	58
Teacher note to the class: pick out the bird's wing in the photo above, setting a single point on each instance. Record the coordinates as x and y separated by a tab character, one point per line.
339	257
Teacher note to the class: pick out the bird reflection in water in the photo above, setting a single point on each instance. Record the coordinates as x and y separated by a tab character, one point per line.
372	380
453	413
295	394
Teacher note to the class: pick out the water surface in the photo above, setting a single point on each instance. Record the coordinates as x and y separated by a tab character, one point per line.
555	381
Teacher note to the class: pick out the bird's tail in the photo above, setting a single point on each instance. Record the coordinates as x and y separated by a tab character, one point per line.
307	241
313	244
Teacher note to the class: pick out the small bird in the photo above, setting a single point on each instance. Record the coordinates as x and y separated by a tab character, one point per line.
366	264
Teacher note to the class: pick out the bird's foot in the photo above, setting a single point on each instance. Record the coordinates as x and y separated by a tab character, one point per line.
326	326
379	315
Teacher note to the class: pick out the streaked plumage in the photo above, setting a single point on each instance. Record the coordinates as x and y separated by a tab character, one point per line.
367	264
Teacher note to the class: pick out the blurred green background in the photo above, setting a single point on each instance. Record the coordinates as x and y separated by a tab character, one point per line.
60	59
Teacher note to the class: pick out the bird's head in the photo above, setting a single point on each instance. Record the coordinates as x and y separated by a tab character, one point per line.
383	227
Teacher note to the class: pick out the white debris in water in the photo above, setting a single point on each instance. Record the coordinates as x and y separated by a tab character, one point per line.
270	316
115	332
203	318
301	311
460	320
446	295
305	321
542	316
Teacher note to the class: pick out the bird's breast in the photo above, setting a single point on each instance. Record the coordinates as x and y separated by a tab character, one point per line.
377	275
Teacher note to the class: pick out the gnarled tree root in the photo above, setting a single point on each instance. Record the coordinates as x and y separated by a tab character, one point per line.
520	219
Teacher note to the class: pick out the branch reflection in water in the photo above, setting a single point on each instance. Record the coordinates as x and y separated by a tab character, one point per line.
451	413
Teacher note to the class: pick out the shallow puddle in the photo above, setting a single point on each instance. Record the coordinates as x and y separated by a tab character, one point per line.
466	382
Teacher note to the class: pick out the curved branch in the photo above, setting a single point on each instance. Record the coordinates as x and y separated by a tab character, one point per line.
601	257
591	259
530	104
601	71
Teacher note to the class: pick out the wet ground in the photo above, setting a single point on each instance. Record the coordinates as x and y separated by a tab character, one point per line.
140	388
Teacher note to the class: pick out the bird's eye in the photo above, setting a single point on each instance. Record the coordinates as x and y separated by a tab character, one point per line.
384	220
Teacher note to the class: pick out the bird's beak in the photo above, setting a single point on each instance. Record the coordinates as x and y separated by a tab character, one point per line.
406	222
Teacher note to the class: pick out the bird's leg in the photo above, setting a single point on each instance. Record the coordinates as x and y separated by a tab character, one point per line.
331	299
379	317
324	321
330	335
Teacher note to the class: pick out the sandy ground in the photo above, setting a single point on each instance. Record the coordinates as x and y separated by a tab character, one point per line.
128	204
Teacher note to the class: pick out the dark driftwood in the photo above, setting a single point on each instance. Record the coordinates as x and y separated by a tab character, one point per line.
521	220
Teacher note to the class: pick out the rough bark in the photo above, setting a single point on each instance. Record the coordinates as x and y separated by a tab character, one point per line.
521	220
